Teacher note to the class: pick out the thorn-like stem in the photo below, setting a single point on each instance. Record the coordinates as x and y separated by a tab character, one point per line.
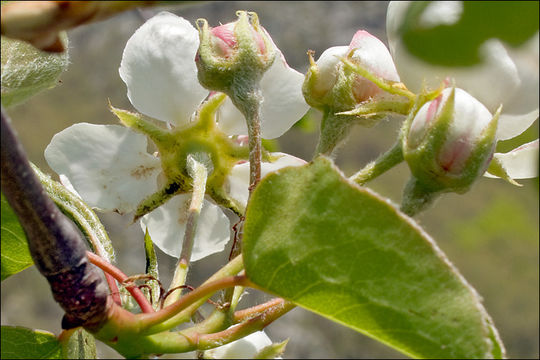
112	270
199	174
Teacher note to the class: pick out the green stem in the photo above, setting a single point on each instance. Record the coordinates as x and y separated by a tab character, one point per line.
379	166
248	327
199	174
154	321
334	129
181	311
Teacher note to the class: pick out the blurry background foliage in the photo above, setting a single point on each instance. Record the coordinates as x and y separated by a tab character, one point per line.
490	233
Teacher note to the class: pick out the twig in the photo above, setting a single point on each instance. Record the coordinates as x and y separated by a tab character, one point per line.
56	245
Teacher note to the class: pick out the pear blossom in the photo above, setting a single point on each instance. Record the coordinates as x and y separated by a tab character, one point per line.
109	165
159	70
506	76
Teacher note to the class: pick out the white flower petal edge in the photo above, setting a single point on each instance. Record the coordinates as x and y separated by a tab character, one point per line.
245	348
521	109
491	82
238	179
374	55
167	225
158	67
520	163
283	103
107	165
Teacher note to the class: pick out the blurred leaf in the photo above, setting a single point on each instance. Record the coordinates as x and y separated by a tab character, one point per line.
457	44
346	253
15	254
23	343
27	70
308	122
80	345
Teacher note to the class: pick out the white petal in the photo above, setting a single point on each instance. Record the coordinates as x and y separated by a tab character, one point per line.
107	164
238	179
520	163
328	67
373	55
520	110
512	125
490	82
158	67
283	103
245	348
167	225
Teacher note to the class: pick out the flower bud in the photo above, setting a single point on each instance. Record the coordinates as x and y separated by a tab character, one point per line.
241	50
329	83
450	141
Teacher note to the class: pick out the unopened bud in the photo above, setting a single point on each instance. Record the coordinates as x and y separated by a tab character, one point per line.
330	84
237	50
450	141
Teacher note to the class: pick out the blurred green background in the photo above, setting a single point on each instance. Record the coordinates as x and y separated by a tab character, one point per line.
490	234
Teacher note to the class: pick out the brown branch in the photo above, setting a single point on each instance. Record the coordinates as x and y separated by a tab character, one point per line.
39	22
56	245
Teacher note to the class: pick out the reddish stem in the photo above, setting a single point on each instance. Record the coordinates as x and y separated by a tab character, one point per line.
243	315
115	294
108	268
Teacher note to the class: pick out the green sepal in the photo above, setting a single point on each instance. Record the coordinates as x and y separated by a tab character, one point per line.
272	351
496	168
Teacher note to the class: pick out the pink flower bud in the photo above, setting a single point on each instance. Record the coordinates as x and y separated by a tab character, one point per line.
329	84
224	39
372	54
450	140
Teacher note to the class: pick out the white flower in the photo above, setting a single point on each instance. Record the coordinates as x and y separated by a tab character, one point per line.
109	166
159	70
506	76
245	348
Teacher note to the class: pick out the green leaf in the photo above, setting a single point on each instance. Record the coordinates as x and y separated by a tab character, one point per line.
152	270
27	70
348	254
80	213
458	44
15	254
23	343
79	345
